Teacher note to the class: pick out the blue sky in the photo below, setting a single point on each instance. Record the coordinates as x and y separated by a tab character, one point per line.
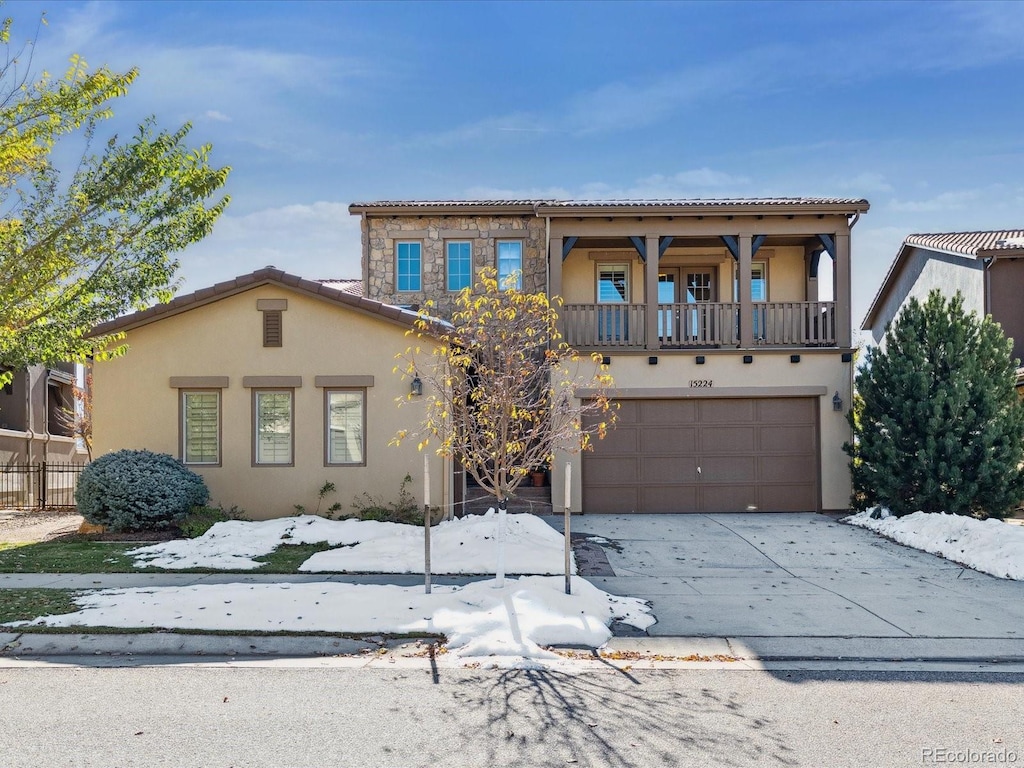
915	106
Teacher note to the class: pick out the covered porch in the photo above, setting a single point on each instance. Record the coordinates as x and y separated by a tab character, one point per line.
753	275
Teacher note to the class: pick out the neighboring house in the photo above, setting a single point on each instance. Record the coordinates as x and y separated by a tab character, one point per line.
31	429
987	268
732	366
268	386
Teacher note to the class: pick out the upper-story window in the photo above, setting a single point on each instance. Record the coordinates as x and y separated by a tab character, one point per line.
613	283
758	282
510	264
409	255
459	266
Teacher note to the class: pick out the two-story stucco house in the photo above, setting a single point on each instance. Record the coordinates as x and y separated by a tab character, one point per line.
725	324
987	268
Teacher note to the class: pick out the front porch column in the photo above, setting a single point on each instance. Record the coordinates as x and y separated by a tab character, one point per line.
811	258
841	295
651	294
555	266
746	303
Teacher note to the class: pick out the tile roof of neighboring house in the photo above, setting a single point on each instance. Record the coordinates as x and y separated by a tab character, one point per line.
576	207
265	276
979	244
352	285
992	243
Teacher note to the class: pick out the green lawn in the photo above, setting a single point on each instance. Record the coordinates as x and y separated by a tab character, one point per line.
28	604
110	557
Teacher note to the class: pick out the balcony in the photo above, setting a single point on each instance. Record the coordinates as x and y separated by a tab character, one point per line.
700	325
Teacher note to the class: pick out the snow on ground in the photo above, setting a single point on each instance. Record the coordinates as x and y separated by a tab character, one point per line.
990	546
461	546
510	623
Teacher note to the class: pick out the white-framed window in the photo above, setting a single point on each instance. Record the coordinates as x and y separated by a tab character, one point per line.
459	264
273	427
200	426
345	420
409	265
613	283
510	264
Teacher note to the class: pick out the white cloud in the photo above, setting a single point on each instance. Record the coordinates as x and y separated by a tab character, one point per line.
946	201
315	241
865	183
219	117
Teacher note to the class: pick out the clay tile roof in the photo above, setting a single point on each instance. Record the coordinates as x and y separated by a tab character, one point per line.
338	291
575	207
353	286
979	244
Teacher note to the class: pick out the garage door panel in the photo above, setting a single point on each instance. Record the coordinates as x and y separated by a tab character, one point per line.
612	500
619	441
728	498
728	440
668	470
612	471
678	412
789	498
786	410
726	411
661	440
670	498
733	469
772	467
787	439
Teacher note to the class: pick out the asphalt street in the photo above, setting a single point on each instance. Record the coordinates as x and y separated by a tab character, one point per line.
266	715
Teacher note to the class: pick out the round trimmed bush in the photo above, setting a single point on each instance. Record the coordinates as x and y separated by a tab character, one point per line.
138	490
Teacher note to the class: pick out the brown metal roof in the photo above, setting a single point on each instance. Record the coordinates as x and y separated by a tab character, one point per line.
578	207
265	276
992	243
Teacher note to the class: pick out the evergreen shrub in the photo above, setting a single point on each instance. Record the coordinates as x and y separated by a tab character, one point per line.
131	490
938	425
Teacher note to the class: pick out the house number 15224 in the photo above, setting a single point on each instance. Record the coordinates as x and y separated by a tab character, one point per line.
700	383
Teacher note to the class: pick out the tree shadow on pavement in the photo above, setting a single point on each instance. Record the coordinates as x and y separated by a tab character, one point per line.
618	719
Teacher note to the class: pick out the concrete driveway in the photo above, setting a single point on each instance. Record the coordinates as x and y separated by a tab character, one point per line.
787	584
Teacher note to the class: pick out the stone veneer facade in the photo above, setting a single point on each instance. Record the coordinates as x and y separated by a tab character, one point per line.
483	231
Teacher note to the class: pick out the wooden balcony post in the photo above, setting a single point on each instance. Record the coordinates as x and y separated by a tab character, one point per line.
841	270
651	294
555	278
746	302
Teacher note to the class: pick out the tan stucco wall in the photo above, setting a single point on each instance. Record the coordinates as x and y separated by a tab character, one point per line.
770	374
135	407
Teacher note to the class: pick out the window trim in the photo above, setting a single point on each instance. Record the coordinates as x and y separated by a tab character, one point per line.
256	392
398	276
447	265
767	283
497	261
327	427
182	431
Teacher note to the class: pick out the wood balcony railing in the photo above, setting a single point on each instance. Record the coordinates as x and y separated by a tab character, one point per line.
589	326
702	324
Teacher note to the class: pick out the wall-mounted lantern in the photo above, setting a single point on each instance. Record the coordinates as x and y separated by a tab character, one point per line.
416	386
837	402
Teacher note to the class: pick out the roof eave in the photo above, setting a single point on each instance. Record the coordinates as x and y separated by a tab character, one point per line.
709	209
439	209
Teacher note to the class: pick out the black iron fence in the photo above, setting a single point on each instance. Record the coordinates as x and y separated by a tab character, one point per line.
48	485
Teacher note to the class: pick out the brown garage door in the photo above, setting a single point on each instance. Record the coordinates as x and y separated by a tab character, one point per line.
711	455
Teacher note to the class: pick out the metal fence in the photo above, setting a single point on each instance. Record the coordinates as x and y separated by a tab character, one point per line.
48	485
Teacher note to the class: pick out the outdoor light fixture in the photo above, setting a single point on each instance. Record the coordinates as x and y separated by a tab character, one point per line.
652	360
794	358
416	386
700	359
605	360
748	359
837	402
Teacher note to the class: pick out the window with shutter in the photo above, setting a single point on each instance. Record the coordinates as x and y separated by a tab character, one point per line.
273	427
200	427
